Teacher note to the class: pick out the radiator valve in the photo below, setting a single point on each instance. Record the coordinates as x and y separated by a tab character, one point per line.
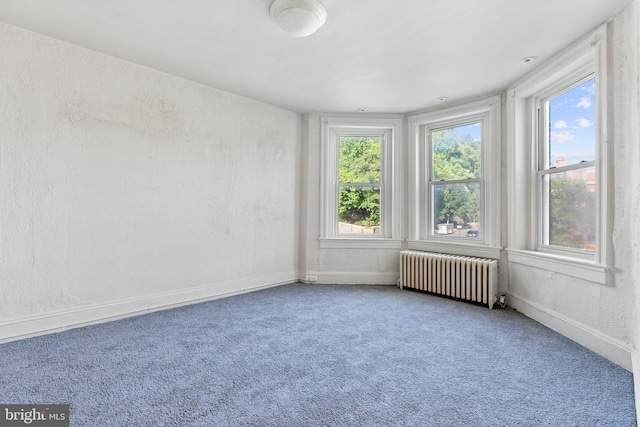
502	300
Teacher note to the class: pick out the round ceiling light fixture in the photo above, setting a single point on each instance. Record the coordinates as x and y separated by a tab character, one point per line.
299	18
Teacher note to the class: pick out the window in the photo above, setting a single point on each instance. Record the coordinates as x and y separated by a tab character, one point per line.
567	167
358	208
359	180
557	131
455	181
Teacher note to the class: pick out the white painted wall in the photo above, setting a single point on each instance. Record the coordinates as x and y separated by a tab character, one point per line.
601	316
124	189
625	76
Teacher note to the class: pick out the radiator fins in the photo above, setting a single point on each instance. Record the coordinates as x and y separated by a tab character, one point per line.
460	277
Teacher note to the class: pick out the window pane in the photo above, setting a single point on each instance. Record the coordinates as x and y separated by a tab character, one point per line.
457	152
456	209
572	131
359	210
571	214
359	159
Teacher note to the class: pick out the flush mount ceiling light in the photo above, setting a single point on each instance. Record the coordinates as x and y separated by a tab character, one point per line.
298	17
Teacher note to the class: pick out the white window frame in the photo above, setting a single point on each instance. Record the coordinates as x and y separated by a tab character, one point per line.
331	130
525	227
540	144
486	111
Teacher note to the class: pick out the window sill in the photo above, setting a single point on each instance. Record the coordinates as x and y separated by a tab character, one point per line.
585	270
359	243
456	248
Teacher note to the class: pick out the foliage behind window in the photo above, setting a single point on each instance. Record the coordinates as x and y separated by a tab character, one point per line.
359	180
456	173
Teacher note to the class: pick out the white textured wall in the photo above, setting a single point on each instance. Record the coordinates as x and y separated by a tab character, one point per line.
625	78
599	314
121	182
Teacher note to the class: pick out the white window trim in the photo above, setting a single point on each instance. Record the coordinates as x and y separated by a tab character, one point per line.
419	202
576	75
390	194
522	188
558	264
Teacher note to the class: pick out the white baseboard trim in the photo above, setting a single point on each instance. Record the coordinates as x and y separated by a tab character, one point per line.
353	278
30	326
613	349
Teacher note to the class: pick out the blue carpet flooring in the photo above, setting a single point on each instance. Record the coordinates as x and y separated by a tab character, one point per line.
320	355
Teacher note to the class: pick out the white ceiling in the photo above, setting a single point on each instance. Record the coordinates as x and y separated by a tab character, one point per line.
380	55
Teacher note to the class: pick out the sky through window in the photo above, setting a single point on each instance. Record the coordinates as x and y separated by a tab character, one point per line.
572	125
